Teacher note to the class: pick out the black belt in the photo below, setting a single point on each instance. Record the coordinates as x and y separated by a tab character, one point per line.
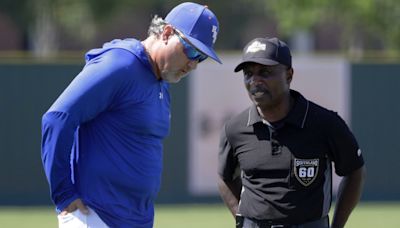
319	223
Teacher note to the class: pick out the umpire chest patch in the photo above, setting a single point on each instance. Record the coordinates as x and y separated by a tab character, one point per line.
306	170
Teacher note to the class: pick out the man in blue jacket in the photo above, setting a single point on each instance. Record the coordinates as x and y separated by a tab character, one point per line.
102	138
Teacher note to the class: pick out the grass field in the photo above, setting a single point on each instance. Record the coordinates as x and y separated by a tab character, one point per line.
366	215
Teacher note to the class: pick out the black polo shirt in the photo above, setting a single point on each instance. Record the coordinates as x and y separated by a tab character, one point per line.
286	169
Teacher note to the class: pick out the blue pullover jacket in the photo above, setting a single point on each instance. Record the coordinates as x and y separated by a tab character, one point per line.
102	138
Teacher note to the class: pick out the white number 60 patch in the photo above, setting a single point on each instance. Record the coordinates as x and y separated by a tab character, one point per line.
306	170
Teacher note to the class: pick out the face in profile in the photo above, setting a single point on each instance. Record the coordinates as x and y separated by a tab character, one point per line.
181	58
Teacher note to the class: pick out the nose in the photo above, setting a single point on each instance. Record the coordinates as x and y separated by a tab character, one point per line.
254	79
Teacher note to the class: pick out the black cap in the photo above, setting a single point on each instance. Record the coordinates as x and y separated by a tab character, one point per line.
266	51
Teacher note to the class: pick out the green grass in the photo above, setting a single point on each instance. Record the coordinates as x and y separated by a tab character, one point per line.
198	216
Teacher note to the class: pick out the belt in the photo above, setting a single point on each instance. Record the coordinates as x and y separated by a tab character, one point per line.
243	222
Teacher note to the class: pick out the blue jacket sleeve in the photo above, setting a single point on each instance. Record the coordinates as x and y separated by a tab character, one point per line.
90	93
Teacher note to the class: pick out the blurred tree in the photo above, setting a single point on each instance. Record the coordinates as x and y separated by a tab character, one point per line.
362	21
18	13
17	10
240	21
363	24
43	20
49	22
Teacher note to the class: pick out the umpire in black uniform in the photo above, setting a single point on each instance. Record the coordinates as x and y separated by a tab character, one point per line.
275	158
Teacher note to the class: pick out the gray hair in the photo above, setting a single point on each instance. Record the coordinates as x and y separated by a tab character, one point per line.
156	26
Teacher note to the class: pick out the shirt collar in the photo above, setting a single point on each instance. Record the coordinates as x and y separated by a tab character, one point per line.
297	115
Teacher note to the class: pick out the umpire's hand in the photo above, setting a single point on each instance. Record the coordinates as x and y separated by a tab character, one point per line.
76	204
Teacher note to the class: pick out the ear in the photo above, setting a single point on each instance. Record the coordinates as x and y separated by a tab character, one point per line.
167	33
289	75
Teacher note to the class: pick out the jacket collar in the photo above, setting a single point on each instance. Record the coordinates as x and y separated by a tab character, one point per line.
297	115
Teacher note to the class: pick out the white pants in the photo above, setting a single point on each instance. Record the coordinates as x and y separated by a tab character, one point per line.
78	220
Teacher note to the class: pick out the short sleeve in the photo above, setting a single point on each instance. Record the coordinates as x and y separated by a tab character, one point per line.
227	162
346	153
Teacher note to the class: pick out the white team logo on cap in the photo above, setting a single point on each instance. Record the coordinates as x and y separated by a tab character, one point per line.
256	46
214	33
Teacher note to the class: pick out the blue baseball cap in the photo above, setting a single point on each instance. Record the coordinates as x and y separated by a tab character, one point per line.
199	25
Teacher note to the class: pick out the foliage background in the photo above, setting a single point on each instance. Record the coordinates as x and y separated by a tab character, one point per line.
350	26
